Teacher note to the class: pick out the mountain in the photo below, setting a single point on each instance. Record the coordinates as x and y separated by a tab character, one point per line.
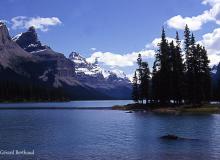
93	70
111	82
10	52
214	69
19	73
38	75
74	75
29	41
215	74
60	67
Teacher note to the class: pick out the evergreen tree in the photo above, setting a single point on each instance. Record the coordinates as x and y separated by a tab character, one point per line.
187	43
164	72
140	77
161	76
141	81
189	48
155	80
135	91
144	85
172	75
178	73
192	72
197	71
204	77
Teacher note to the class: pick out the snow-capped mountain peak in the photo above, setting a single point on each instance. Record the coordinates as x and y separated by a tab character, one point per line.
77	58
83	67
29	41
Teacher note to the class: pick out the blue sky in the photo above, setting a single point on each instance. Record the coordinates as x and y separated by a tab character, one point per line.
113	27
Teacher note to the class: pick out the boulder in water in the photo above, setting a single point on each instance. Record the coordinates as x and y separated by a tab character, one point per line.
174	137
170	137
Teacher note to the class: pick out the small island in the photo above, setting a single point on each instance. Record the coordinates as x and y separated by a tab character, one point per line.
180	81
183	109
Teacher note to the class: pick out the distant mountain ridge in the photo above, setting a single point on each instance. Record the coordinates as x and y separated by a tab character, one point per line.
111	82
215	75
82	66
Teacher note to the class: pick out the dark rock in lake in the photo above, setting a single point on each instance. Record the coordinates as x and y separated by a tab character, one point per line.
174	137
170	137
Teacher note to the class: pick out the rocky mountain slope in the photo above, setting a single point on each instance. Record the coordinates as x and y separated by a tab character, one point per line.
10	52
61	67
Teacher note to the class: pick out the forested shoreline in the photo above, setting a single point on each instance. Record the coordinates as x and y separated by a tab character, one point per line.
16	88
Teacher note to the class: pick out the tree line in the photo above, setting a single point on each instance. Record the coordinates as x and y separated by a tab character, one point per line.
179	74
12	91
14	87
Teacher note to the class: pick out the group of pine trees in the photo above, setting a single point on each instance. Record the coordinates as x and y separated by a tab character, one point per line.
178	75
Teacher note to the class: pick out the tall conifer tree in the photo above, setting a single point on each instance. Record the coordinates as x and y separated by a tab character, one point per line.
135	91
144	86
164	72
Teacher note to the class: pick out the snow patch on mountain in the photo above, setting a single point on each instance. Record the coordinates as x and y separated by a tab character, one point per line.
214	69
15	38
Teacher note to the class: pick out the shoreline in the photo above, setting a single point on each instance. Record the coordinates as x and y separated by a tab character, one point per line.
176	110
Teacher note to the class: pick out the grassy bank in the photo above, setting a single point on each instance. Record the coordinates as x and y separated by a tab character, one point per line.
183	109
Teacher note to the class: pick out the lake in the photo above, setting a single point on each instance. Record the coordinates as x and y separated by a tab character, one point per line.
72	104
86	134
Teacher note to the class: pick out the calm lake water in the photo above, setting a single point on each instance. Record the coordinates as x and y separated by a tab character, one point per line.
71	104
107	135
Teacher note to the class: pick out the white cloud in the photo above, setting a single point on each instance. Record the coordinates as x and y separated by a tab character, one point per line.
127	60
118	60
196	22
211	2
40	23
211	41
156	41
214	59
